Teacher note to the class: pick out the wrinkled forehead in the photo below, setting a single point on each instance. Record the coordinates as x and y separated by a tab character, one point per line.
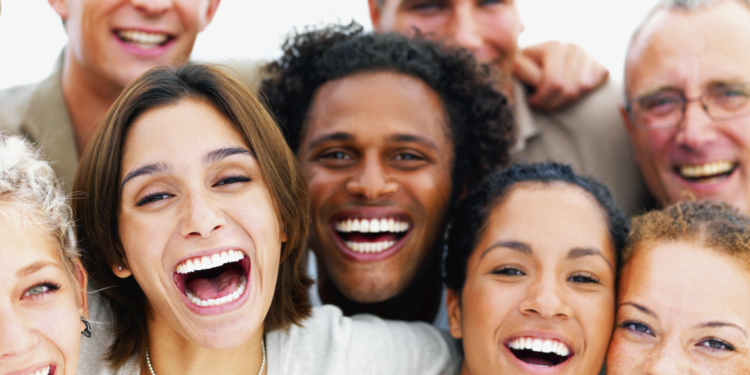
690	50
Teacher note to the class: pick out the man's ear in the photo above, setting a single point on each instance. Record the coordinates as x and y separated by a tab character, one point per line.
375	15
631	129
453	305
82	279
60	7
210	13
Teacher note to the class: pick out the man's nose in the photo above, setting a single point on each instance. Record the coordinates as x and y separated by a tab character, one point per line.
696	129
370	181
152	7
464	29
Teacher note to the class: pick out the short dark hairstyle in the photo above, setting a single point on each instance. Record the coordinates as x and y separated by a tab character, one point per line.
471	217
98	179
479	118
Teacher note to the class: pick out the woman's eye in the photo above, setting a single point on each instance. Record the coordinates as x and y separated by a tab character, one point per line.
584	278
637	327
152	198
41	289
508	271
716	344
232	180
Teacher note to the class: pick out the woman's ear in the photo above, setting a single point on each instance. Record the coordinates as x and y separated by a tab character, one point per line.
121	271
284	235
82	279
453	305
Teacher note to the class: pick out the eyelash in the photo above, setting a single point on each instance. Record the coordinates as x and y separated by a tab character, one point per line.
233	179
726	346
505	269
159	196
50	285
630	324
589	278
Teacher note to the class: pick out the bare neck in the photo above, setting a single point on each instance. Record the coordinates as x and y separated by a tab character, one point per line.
86	97
173	354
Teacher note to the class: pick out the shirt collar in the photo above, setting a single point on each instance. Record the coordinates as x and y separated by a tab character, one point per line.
525	127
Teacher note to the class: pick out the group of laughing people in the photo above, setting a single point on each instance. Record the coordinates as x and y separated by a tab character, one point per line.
425	198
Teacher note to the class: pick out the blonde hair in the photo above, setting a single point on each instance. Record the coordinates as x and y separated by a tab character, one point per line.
30	193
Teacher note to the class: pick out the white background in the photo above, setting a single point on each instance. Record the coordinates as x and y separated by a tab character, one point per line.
31	34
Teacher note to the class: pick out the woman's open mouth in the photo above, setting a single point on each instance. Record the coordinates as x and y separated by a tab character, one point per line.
540	352
213	280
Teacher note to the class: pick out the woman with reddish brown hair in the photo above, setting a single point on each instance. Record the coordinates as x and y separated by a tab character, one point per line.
193	220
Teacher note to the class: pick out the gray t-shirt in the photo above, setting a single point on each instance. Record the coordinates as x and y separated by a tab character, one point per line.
327	343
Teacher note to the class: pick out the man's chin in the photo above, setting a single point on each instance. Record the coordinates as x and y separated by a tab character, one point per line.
369	291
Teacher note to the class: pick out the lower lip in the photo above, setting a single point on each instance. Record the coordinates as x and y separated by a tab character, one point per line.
533	369
354	256
708	188
136	51
214	310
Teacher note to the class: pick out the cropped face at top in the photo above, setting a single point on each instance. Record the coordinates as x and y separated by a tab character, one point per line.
489	29
118	40
378	159
701	150
41	303
682	308
198	225
539	293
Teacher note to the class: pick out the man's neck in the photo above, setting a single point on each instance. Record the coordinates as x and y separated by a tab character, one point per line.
86	99
420	301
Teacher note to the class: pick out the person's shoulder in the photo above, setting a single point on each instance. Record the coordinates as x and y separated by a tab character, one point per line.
596	111
14	104
250	72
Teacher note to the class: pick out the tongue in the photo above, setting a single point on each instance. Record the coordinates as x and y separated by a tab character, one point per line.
224	284
371	237
538	361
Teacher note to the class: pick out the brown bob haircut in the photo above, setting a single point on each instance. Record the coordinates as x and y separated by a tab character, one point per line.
98	202
714	225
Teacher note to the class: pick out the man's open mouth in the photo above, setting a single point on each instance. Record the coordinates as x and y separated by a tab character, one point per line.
215	279
540	352
371	235
708	172
143	40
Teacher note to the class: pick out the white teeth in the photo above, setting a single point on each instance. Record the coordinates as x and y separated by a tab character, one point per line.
220	301
539	345
43	371
369	247
205	263
372	226
706	170
142	39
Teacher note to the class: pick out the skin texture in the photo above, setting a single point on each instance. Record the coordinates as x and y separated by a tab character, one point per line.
668	290
39	326
510	294
368	170
560	72
674	50
188	205
96	64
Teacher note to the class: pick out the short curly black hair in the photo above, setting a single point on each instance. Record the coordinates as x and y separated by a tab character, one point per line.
472	214
480	118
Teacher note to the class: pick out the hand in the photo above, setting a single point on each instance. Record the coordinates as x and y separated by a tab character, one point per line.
560	73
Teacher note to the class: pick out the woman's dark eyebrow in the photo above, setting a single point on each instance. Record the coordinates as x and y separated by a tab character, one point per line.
642	309
216	155
144	170
579	252
720	325
513	245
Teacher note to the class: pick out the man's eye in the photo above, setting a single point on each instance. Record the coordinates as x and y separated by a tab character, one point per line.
232	180
661	104
152	198
508	271
637	327
716	344
336	155
427	6
490	2
584	278
406	156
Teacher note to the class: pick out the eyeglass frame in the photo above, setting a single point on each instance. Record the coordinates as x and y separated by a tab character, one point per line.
685	101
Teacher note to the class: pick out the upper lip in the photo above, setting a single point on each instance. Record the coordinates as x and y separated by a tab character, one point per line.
371	213
144	29
29	370
542	335
207	252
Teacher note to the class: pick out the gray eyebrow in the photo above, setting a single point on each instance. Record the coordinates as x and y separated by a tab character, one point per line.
513	245
145	170
720	325
642	309
216	155
580	252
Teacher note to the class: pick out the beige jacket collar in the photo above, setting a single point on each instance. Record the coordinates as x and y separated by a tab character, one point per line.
525	127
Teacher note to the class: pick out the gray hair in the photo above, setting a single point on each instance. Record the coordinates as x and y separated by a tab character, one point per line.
30	194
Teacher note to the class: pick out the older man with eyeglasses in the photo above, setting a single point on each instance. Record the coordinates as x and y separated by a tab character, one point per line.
687	78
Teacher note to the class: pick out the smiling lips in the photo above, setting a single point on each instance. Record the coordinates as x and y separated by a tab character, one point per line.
371	235
539	352
708	172
143	40
44	371
213	280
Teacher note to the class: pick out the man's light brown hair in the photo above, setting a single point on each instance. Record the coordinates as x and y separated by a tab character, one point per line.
714	225
98	187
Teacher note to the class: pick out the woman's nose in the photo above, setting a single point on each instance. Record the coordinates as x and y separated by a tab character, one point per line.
16	337
202	216
545	299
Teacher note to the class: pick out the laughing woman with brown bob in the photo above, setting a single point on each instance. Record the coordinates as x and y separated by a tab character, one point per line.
193	221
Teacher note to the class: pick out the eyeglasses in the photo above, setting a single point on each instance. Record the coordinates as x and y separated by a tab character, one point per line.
667	109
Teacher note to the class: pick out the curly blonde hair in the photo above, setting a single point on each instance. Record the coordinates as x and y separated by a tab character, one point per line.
714	225
30	193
